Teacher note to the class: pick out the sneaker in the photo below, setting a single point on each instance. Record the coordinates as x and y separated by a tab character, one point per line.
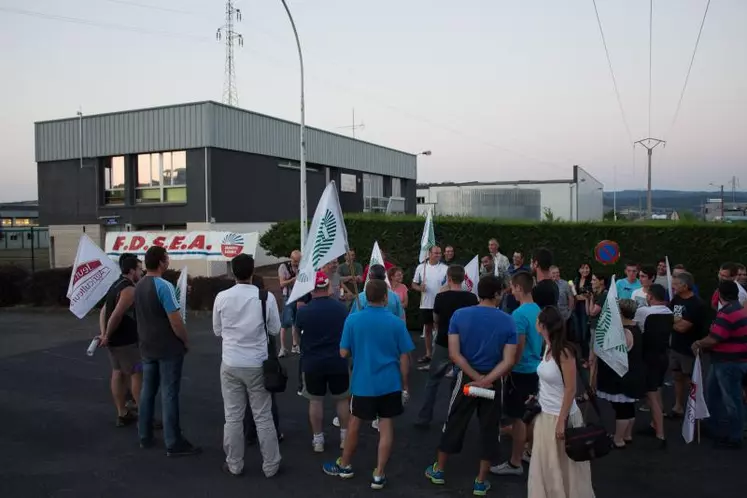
336	421
131	405
506	469
480	488
299	391
450	374
318	443
126	419
336	469
375	424
526	457
644	408
424	368
183	448
283	353
424	360
296	350
435	475
227	471
378	482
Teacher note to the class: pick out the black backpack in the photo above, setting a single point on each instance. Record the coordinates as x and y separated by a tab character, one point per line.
275	375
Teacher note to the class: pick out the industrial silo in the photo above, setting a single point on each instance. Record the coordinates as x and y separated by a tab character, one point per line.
515	203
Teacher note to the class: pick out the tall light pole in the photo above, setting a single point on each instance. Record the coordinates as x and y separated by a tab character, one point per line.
80	136
647	143
304	210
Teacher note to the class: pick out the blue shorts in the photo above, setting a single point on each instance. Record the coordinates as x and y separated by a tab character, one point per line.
288	318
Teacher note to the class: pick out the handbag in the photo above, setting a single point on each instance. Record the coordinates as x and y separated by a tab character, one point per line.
592	441
274	374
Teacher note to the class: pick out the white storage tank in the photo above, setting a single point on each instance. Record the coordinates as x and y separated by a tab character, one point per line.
505	203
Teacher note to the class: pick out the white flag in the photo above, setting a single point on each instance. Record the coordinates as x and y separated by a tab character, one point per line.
428	239
472	274
327	240
181	293
609	340
696	405
376	259
670	292
93	274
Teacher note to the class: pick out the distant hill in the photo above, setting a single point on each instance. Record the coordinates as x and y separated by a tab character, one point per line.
667	200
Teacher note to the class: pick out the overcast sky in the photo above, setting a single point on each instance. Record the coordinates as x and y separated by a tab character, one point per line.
498	90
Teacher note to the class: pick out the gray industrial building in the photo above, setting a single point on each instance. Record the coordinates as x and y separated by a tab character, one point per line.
200	166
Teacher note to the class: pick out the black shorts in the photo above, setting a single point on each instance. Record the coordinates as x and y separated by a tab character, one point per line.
317	385
656	370
461	410
426	316
516	390
373	407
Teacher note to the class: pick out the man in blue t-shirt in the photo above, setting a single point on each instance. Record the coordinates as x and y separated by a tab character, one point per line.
377	272
523	381
324	370
630	283
379	344
482	344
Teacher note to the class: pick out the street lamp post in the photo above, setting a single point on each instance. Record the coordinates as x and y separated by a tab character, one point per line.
304	210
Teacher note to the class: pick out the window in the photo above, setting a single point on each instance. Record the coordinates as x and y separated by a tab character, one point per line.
421	200
162	177
24	222
396	187
6	222
114	180
373	193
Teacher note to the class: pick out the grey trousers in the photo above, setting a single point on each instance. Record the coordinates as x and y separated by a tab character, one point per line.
439	367
240	385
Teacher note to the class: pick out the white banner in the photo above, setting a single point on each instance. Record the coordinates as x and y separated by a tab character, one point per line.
696	405
670	292
428	239
609	340
213	246
472	275
376	259
181	293
93	275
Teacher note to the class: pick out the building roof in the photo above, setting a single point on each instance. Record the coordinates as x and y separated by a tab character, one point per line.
488	184
210	124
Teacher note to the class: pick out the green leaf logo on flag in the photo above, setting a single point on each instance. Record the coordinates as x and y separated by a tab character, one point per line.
303	277
325	237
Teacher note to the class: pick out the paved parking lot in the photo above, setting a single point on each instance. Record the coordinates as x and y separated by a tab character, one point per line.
58	437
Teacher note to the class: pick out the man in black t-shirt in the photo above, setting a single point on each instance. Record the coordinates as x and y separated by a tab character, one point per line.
446	303
118	330
545	292
689	326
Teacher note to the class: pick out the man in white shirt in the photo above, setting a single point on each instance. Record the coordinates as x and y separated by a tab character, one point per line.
500	261
428	278
238	319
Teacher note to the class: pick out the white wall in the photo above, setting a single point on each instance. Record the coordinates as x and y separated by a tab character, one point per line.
63	242
590	197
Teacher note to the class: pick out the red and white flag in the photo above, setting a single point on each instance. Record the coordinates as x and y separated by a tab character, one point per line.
472	275
93	274
696	405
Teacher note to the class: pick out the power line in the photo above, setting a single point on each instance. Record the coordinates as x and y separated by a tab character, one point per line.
153	7
612	73
650	58
689	69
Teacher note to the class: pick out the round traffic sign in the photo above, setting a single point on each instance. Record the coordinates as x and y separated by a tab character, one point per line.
607	252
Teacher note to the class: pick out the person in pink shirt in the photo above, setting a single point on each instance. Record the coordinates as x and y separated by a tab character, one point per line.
396	275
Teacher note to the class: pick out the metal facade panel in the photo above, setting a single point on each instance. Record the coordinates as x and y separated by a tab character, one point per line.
208	124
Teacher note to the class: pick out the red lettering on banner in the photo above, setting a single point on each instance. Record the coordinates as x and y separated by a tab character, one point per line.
198	243
84	269
136	243
119	242
160	241
176	242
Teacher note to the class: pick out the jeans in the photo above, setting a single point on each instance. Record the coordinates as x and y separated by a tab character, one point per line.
238	386
724	398
439	366
166	374
581	329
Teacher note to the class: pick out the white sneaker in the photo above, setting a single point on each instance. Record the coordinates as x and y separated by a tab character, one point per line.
296	350
318	443
283	353
336	421
375	424
506	469
526	457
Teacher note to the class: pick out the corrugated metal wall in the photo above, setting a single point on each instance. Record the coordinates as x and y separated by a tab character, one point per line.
208	124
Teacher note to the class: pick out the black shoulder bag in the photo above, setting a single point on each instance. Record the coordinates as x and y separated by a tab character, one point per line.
275	376
592	441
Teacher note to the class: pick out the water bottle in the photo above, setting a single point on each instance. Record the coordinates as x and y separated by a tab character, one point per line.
478	392
93	346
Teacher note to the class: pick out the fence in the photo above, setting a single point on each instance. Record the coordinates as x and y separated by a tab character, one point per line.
27	247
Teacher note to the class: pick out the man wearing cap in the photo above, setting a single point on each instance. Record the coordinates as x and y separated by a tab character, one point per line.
324	370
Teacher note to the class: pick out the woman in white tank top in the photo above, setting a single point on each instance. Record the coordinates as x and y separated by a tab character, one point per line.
551	473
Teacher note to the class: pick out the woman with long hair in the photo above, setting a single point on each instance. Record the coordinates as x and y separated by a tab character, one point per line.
552	474
582	286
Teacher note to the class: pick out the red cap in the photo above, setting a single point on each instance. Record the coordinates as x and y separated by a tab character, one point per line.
322	280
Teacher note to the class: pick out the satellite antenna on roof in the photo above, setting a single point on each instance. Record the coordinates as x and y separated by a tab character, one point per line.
354	126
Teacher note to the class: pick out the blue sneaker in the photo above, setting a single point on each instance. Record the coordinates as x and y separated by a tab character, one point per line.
480	488
435	475
336	469
378	482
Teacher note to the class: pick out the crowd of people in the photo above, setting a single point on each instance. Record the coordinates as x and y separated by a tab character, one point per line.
526	334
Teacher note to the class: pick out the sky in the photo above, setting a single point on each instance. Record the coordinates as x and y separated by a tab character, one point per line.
497	90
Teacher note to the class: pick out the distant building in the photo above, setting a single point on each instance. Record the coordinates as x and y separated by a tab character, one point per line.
19	226
735	211
19	214
576	199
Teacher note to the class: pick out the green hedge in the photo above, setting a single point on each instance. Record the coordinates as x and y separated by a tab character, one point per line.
701	247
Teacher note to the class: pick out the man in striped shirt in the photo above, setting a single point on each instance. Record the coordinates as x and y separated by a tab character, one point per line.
728	345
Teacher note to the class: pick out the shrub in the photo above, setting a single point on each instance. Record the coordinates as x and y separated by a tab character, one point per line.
49	287
12	282
204	290
701	247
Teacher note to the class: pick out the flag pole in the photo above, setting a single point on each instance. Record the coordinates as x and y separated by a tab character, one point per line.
355	283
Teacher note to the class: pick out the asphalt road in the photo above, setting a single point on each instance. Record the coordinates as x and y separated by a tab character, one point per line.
58	437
